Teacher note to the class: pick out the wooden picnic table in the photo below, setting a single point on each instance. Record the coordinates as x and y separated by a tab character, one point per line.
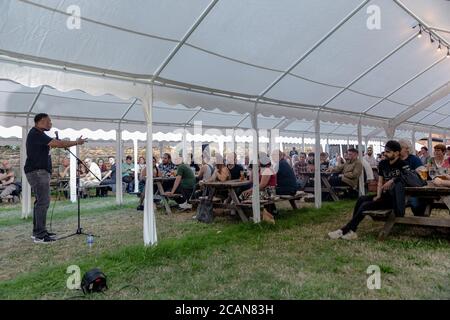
326	186
236	205
436	195
159	184
232	202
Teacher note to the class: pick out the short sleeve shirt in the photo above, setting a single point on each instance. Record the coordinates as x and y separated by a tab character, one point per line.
391	171
187	176
38	151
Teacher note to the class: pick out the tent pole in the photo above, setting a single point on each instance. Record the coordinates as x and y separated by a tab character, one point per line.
149	229
430	144
73	175
303	143
26	189
362	190
119	151
256	206
136	166
317	176
413	140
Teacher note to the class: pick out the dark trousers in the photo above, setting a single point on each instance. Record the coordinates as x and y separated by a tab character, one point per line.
185	192
366	203
40	184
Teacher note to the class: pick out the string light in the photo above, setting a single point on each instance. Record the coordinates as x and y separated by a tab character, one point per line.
433	38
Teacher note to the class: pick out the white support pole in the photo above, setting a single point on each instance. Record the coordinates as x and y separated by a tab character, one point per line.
184	146
327	147
256	206
360	153
73	175
303	143
413	140
119	156
317	176
26	189
233	141
150	237
430	144
136	166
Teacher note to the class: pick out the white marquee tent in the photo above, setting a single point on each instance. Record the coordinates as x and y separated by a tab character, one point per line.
340	67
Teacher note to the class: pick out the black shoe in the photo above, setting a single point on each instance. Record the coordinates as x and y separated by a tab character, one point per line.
45	239
140	208
51	235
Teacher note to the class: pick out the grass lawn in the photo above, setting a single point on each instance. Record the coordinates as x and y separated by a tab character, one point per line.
224	260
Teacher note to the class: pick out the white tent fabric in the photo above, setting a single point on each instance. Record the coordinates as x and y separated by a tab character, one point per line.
314	60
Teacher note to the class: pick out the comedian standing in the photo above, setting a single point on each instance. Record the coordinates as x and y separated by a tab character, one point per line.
38	169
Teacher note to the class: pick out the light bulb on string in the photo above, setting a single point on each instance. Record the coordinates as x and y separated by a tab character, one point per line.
439	46
431	38
448	52
420	32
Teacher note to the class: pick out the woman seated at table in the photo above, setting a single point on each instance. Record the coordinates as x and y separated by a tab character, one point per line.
267	179
438	162
221	172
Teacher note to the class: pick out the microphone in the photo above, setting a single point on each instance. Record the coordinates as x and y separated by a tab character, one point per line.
57	135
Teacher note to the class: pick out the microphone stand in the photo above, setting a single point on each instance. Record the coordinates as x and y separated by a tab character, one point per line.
79	230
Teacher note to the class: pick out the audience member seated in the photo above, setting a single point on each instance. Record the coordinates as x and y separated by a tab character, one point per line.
389	185
92	176
424	155
300	170
206	169
194	166
324	163
267	180
234	167
109	178
370	158
221	172
7	181
438	162
101	164
184	184
167	169
349	172
141	165
128	174
310	161
286	181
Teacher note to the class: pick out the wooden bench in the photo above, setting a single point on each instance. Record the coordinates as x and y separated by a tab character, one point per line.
291	199
390	220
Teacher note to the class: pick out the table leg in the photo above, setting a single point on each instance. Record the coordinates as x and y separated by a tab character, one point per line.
446	200
163	197
328	188
236	201
387	226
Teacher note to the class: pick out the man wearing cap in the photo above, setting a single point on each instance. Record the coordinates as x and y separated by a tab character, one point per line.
390	171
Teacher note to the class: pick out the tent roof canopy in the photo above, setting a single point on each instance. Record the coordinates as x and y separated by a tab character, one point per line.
216	59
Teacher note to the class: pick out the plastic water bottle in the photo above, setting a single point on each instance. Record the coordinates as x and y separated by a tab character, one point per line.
90	240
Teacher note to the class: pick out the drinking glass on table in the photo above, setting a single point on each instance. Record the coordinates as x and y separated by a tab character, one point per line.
433	173
242	177
424	174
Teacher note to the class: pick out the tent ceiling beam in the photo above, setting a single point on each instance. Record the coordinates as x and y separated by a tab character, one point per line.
404	85
193	117
370	69
183	40
128	109
422	104
312	49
